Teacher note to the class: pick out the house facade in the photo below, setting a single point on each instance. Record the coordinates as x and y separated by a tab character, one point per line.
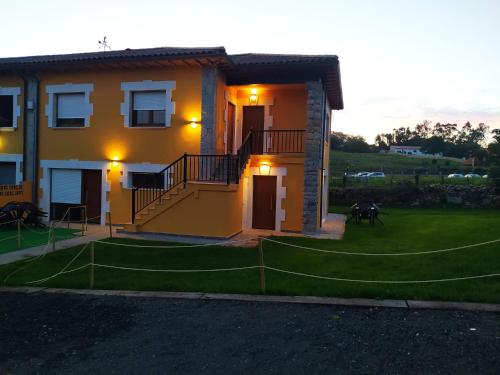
188	141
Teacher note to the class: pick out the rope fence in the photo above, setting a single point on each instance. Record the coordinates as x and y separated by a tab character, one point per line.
260	266
384	254
51	240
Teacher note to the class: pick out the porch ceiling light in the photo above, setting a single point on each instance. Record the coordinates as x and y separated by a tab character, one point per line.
265	169
253	99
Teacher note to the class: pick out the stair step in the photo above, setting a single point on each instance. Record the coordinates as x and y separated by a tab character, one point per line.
131	227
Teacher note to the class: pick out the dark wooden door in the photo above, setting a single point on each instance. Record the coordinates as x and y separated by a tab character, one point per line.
253	119
91	193
230	127
264	202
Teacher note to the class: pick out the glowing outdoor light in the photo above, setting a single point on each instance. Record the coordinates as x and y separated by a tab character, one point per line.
194	123
253	99
265	169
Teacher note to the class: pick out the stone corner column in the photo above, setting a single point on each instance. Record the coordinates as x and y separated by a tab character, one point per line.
312	162
208	109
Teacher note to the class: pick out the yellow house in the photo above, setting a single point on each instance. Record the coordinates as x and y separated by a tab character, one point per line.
188	141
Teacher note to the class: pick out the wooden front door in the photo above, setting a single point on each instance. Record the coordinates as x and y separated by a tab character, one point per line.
91	194
253	119
230	127
264	202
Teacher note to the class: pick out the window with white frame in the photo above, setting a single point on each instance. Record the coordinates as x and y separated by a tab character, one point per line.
70	110
148	108
9	109
147	180
147	104
69	105
6	111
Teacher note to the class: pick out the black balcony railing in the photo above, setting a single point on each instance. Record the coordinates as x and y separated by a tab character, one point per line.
277	141
215	168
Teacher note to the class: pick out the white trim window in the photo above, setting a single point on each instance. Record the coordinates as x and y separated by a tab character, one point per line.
69	105
138	174
147	104
16	159
10	110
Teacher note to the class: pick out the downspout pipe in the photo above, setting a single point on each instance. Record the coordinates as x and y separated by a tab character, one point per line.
31	114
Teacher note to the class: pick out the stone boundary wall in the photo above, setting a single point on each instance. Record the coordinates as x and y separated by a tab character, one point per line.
424	196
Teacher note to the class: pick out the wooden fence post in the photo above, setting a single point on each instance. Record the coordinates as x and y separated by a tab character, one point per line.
110	226
53	237
92	265
18	233
261	268
82	219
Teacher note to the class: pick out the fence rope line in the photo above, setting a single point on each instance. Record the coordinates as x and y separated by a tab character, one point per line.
63	269
383	254
175	270
174	246
58	274
8	238
34	231
382	281
10	222
30	261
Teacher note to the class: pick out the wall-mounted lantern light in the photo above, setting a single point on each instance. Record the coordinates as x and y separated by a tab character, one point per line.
265	169
115	161
194	123
253	99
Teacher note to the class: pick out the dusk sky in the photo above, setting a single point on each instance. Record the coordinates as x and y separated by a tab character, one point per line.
401	61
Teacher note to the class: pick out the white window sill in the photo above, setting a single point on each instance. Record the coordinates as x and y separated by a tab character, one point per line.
7	129
68	128
147	127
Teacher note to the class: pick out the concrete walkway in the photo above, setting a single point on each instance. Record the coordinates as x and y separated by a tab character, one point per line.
333	229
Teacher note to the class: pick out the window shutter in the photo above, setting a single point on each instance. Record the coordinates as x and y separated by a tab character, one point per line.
66	186
71	105
150	101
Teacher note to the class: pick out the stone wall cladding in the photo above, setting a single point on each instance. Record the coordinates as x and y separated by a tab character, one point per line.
312	163
208	109
424	196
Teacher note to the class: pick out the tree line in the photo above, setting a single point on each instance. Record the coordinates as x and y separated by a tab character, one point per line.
448	139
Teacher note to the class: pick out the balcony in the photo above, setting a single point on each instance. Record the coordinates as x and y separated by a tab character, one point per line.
275	142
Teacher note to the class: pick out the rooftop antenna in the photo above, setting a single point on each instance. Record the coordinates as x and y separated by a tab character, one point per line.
103	44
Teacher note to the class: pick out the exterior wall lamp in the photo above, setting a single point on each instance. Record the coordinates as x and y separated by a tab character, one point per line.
253	99
265	169
194	123
115	161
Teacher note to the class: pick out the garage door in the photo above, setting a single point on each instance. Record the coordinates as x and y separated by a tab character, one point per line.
7	173
66	186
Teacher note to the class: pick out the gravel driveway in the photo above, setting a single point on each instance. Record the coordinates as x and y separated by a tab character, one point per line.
78	334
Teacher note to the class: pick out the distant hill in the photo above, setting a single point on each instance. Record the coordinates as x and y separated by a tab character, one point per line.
387	163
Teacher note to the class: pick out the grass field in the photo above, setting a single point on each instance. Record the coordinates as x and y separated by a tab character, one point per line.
405	230
29	237
388	163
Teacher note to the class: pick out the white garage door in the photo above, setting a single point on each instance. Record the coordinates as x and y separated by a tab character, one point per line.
66	186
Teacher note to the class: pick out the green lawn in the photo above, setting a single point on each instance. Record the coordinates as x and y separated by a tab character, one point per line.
405	230
30	237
